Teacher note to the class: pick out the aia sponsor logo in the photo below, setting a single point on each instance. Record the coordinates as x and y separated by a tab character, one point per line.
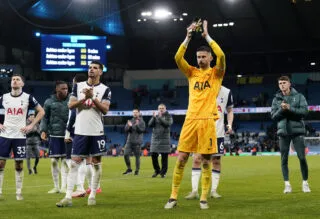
14	111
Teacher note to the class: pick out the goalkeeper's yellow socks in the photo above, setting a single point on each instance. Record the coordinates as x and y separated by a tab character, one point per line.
177	177
205	181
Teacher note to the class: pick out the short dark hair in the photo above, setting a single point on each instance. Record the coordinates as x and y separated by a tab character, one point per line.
204	48
284	78
60	82
80	77
136	108
19	75
97	63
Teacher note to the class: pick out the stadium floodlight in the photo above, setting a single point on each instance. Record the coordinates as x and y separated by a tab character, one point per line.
220	25
162	14
146	13
181	19
312	63
139	20
239	76
175	19
215	25
37	34
108	46
231	23
144	19
225	24
184	14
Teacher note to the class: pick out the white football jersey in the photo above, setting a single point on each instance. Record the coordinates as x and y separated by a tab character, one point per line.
89	120
15	113
224	101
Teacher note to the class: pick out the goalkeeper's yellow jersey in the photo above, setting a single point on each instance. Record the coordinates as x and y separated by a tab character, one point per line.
204	86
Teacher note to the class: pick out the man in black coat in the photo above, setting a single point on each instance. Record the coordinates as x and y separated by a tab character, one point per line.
160	141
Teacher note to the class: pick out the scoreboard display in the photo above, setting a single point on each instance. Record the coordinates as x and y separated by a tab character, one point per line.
71	52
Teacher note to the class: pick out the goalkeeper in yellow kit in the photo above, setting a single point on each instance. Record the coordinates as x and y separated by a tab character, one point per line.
198	133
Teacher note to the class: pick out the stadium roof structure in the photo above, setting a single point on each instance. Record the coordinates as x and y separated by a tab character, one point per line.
265	35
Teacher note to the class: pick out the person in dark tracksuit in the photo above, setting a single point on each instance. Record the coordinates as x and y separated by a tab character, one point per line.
33	141
135	128
289	108
160	140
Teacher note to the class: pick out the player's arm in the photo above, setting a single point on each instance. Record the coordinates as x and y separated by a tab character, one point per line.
230	114
230	117
45	118
75	103
104	105
39	114
179	57
70	123
221	59
2	128
73	100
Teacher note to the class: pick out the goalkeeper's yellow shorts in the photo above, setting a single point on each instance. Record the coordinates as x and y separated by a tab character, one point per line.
198	136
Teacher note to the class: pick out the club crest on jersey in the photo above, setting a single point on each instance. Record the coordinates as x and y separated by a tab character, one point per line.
14	111
201	85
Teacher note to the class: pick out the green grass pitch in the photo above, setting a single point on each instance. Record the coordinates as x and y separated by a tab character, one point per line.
251	188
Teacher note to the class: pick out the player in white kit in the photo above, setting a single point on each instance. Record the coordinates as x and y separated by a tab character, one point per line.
14	129
225	105
91	99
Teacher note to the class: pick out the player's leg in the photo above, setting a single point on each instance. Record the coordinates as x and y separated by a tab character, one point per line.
207	147
127	152
96	151
2	166
164	164
19	152
80	149
177	177
216	171
187	143
205	180
19	179
64	169
55	175
96	175
299	146
216	168
155	164
89	173
284	142
54	154
4	155
80	191
64	174
195	176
